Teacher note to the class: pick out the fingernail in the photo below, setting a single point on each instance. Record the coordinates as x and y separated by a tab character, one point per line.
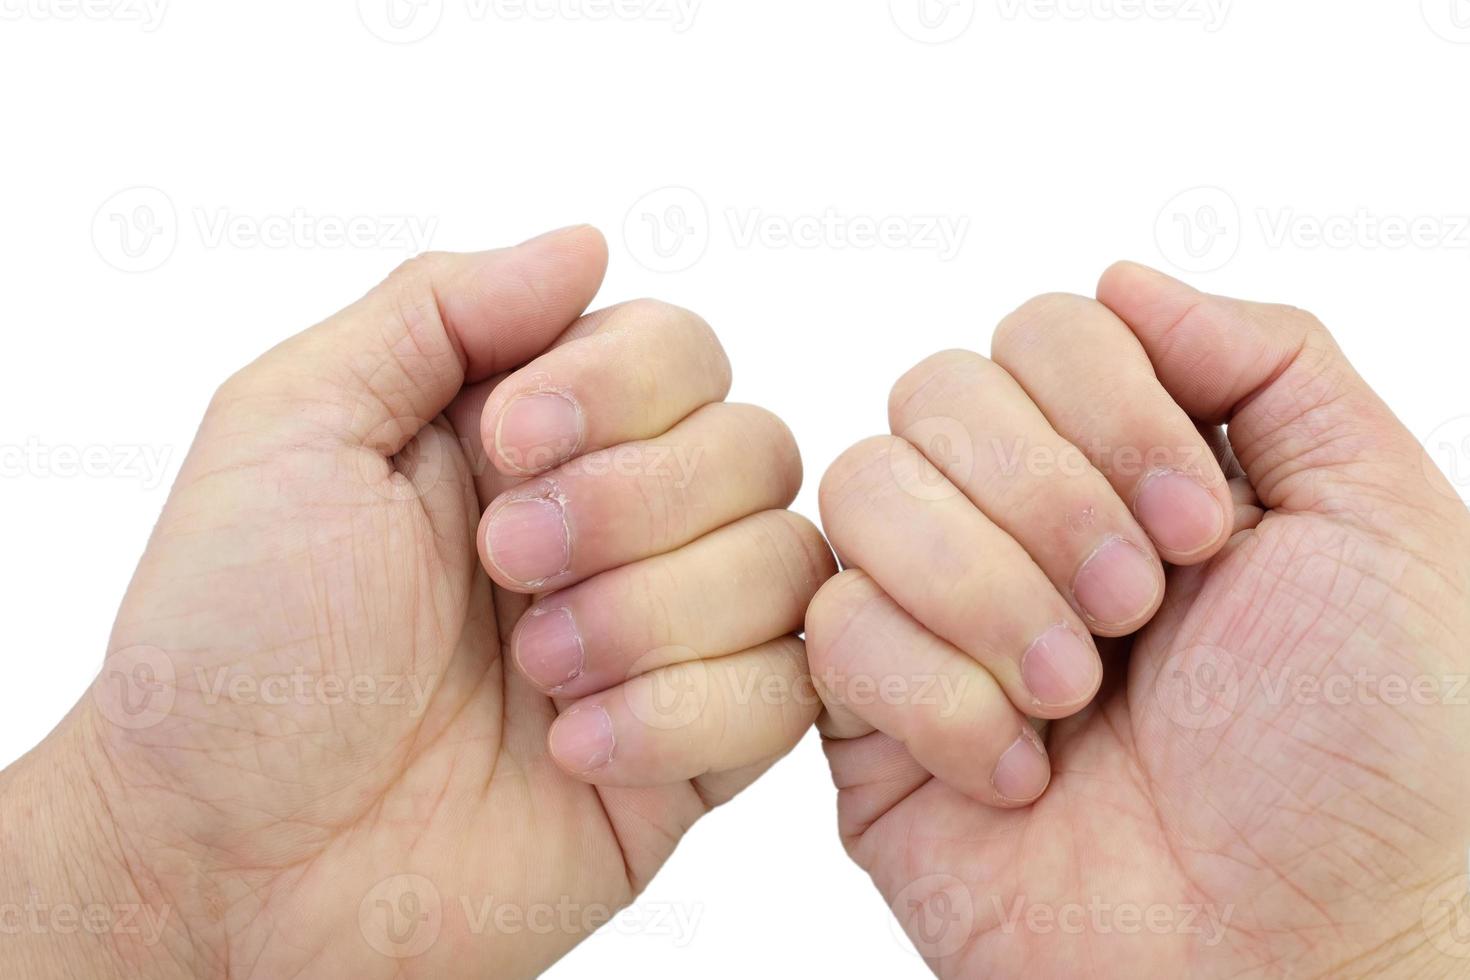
1117	585
582	739
1060	669
1023	772
549	649
528	541
1179	514
537	432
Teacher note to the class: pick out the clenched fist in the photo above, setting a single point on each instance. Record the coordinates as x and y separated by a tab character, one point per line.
332	740
1149	657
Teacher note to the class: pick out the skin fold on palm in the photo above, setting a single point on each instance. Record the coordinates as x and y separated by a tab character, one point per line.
311	746
1268	781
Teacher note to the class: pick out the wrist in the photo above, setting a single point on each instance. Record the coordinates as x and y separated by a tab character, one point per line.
75	900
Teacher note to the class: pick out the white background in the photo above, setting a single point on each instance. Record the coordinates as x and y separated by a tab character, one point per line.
1055	139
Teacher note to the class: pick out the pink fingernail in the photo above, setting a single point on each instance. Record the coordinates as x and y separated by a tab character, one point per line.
537	432
1179	514
1117	585
528	541
1060	669
1023	772
549	649
582	739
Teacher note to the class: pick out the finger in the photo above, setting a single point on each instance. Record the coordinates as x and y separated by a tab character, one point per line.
689	719
873	774
638	500
384	367
1090	377
959	575
466	413
729	591
979	428
647	366
1309	432
875	666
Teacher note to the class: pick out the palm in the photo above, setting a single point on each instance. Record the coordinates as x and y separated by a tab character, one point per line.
365	780
1207	788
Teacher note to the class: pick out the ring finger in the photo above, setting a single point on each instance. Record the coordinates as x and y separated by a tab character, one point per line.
634	501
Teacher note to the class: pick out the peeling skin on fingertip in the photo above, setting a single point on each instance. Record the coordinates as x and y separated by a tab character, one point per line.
547	490
1083	520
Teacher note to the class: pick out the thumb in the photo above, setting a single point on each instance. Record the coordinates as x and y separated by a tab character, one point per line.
1308	431
383	368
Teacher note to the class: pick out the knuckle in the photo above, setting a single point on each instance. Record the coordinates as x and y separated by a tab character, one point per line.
654	314
666	320
1031	322
766	437
798	550
238	387
415	276
837	604
932	378
1301	321
855	474
673	327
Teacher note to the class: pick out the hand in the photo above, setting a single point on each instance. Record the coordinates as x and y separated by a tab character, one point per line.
308	753
1262	774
